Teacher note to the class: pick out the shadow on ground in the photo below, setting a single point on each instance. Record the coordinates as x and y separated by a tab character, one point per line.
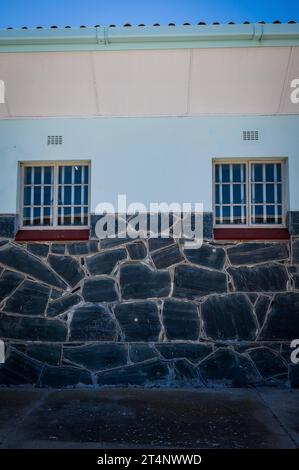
138	418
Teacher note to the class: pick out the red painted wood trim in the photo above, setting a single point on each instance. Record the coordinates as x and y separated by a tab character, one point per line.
52	235
251	234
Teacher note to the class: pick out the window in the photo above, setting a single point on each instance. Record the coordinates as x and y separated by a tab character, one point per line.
55	194
249	193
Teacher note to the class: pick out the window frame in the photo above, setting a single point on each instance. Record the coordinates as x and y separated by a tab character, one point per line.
248	182
55	164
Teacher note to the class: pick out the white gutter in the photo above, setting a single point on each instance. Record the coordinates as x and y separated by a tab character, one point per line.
150	34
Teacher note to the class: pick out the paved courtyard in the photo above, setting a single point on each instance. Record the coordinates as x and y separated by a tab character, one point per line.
139	418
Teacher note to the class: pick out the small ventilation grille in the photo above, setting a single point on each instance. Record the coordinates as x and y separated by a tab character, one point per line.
54	139
250	135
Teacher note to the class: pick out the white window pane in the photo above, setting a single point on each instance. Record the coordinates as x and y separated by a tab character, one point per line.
257	172
270	193
70	195
226	194
26	216
278	170
27	195
78	174
86	175
77	195
67	195
36	216
230	191
225	173
37	175
27	175
37	196
270	172
67	175
266	193
237	199
48	175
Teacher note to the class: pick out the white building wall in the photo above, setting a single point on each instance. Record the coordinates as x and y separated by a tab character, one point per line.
243	81
150	121
148	159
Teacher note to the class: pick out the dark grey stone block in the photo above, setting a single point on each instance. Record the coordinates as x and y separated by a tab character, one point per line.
30	298
208	225
59	306
68	377
93	218
229	317
137	250
109	243
99	290
293	269
115	221
159	242
31	328
8	225
208	256
139	352
186	374
9	281
252	297
294	375
194	352
285	350
267	362
167	256
263	278
155	223
225	368
83	248
138	281
38	249
296	281
295	251
282	322
261	308
192	282
181	320
96	357
139	321
92	323
68	268
19	369
293	222
150	373
45	352
17	258
253	253
294	272
104	262
58	248
56	294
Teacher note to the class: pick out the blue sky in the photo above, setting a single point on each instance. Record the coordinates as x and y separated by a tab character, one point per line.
19	13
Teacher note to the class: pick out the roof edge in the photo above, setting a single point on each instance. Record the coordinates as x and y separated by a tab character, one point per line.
94	38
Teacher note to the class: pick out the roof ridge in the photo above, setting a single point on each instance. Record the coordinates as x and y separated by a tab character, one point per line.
129	25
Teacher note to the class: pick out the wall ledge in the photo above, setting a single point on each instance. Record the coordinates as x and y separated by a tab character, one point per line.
251	234
52	235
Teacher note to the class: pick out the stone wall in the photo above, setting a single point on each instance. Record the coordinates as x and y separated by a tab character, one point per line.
149	313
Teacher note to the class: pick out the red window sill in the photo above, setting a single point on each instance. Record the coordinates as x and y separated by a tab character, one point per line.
43	235
251	234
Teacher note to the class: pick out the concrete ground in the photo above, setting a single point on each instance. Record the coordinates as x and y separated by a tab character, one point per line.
139	418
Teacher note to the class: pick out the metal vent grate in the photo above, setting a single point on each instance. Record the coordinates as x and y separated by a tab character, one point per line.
250	135
54	140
